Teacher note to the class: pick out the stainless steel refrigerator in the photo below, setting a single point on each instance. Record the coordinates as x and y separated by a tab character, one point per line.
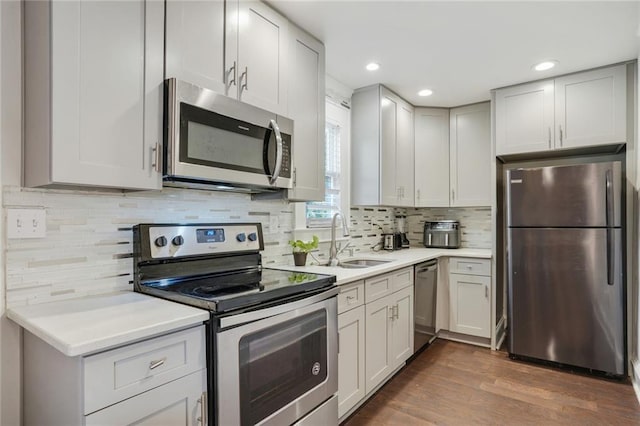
565	262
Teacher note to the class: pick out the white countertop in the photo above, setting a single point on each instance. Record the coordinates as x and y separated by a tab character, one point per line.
398	259
91	324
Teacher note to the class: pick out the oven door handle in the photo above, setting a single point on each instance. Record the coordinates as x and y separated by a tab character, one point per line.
259	314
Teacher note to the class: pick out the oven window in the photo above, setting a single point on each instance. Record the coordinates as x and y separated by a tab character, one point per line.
281	363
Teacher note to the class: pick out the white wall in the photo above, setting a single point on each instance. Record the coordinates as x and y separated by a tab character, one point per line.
10	158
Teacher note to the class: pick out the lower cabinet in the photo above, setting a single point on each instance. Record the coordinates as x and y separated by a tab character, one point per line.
470	296
161	380
351	387
375	323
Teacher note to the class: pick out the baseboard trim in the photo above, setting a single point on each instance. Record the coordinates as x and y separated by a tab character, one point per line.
464	338
635	377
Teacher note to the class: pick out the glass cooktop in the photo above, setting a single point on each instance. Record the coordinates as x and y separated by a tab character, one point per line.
230	291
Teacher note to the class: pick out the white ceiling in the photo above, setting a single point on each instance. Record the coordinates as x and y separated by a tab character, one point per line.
461	50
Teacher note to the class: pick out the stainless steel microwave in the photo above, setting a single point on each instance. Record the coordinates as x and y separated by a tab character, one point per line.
216	142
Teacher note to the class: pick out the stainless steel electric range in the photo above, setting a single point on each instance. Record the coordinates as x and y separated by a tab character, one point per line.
272	335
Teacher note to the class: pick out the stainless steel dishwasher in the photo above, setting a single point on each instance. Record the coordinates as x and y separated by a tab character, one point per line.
424	303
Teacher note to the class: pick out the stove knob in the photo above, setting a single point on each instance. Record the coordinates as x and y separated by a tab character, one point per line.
177	240
161	241
241	237
253	236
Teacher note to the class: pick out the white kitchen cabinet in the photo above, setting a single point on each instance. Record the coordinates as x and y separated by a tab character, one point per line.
524	118
178	402
382	148
161	380
431	157
575	111
93	93
351	359
307	109
256	55
388	325
470	296
591	108
470	154
195	43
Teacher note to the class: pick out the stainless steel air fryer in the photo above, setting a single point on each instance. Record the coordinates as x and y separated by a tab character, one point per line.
442	234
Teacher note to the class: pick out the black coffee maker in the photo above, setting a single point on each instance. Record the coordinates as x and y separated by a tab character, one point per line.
401	235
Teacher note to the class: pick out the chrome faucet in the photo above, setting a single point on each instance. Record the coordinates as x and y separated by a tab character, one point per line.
333	250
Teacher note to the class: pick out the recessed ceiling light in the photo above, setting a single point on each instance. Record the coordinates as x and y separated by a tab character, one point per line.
425	92
372	66
546	65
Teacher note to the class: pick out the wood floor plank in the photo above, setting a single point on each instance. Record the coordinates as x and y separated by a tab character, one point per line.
456	384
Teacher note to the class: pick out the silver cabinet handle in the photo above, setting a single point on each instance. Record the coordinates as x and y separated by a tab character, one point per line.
203	409
397	311
418	194
155	364
486	291
233	81
244	75
391	310
561	135
155	157
549	137
453	194
276	170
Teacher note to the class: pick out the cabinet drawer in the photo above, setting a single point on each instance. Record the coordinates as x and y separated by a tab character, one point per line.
402	278
350	296
470	266
377	287
121	373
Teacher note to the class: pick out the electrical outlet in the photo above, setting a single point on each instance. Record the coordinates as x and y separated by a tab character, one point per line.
26	223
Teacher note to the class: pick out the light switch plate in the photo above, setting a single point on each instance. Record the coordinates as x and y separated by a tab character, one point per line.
26	223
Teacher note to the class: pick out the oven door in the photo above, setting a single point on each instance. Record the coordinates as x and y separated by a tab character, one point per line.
277	369
214	138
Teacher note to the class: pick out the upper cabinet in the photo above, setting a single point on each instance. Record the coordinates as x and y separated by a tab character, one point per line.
307	109
93	89
470	154
195	44
238	48
432	157
575	111
382	148
453	156
256	58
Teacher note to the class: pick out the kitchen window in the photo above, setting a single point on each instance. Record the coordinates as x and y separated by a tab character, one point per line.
318	214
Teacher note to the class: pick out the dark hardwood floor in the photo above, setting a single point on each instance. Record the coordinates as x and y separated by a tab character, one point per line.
457	384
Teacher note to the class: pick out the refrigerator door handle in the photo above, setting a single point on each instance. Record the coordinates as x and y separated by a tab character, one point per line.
608	215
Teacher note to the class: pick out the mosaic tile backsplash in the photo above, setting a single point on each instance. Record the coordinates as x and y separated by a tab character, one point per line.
88	245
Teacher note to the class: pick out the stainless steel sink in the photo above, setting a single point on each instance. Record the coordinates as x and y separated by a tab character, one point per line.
362	263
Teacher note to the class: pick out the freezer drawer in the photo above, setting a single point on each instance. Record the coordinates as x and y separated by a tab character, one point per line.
582	195
566	296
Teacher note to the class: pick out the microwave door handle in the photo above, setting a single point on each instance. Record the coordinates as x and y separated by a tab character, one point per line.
278	166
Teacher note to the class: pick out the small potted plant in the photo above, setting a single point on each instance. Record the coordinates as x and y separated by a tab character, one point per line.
301	248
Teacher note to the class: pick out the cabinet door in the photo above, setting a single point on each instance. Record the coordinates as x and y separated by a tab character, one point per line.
405	155
591	108
350	359
431	157
378	361
470	145
261	56
402	326
307	109
176	403
195	43
524	118
470	298
107	76
390	193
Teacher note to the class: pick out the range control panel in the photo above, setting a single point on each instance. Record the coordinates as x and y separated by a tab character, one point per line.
201	239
